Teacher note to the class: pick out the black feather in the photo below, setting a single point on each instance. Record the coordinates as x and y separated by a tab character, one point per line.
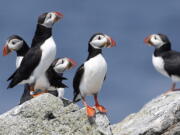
28	64
42	33
76	82
55	79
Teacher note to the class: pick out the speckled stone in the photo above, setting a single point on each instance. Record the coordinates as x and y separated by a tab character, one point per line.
47	115
161	116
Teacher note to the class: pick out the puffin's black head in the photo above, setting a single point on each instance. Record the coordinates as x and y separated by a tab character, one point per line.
48	19
157	40
62	64
100	40
13	43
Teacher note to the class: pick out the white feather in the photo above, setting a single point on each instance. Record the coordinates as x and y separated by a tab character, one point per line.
94	72
60	92
42	83
158	63
18	61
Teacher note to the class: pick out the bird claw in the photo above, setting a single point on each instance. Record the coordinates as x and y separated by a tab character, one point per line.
90	111
38	92
101	108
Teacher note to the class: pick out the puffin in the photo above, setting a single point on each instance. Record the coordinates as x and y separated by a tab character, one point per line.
164	59
55	71
17	44
40	56
90	76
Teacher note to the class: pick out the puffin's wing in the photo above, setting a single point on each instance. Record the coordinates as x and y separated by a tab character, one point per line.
55	79
172	63
28	64
76	83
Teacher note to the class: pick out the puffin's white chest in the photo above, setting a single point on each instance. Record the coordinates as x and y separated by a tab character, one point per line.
18	61
158	63
48	55
42	83
94	73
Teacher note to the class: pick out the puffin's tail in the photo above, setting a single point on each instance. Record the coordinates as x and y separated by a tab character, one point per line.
11	84
12	76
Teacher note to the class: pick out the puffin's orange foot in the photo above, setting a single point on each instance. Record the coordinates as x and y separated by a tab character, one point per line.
39	93
31	88
101	108
35	95
90	111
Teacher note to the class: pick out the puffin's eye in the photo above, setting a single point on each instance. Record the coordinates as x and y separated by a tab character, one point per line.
155	37
13	42
62	61
99	38
50	16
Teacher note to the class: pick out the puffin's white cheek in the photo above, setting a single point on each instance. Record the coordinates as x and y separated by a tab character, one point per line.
159	43
59	68
13	47
48	23
97	43
16	47
155	42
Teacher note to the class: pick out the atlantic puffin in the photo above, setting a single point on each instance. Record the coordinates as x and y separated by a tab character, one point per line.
41	54
165	60
54	72
90	75
17	44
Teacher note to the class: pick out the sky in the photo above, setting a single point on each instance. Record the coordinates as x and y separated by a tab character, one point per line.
131	79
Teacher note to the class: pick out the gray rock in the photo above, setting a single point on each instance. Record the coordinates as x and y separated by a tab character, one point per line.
161	116
47	115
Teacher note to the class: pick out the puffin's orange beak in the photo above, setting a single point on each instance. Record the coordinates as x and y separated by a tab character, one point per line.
58	16
147	40
72	63
111	42
6	50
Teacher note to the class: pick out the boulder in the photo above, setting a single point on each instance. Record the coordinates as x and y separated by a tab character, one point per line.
161	116
48	115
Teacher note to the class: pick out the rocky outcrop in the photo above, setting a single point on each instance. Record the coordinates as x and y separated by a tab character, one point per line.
161	116
48	115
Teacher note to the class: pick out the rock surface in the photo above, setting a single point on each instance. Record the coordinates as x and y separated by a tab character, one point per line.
47	115
161	116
